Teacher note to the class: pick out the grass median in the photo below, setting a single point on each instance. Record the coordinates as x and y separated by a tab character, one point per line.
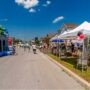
70	63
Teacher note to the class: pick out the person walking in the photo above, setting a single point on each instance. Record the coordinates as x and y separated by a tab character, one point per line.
14	50
34	48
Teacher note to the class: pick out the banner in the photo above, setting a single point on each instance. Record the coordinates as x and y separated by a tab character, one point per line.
10	41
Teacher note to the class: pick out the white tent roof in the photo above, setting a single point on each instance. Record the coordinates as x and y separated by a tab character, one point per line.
84	27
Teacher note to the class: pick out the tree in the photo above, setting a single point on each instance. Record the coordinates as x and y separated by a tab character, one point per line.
46	39
16	41
37	42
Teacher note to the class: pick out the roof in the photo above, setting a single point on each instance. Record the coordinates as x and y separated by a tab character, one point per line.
71	25
67	26
50	35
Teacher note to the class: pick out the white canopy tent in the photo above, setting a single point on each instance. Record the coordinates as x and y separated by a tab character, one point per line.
84	27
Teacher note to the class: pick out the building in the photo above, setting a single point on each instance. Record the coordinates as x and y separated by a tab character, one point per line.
3	43
3	40
67	27
50	35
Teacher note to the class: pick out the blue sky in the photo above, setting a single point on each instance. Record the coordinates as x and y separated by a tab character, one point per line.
26	19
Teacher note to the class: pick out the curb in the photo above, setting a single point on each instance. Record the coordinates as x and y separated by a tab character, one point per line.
84	83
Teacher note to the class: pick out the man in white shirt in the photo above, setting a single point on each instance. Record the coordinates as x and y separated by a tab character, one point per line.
34	48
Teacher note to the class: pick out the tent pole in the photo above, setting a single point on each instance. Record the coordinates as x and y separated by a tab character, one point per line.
83	56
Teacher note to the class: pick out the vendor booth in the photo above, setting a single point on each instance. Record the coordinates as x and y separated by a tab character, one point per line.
55	44
80	38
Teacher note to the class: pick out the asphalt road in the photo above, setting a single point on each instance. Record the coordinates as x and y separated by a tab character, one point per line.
34	71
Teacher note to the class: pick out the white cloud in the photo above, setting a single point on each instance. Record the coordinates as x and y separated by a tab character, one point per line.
58	19
27	3
30	4
32	10
47	3
19	1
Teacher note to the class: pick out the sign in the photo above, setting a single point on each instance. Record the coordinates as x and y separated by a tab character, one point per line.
10	41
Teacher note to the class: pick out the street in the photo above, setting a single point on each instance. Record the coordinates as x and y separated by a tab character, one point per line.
33	71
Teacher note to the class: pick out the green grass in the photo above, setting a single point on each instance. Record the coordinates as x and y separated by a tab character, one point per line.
70	63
